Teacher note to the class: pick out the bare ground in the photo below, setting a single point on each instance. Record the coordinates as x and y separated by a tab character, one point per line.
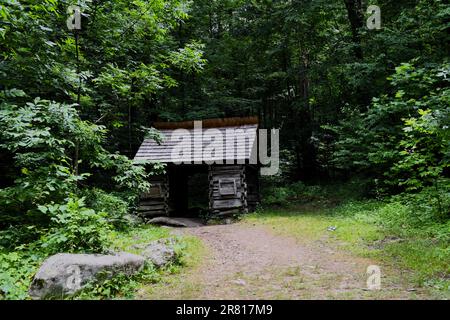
246	261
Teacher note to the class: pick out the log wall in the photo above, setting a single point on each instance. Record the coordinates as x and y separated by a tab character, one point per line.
233	189
154	203
227	190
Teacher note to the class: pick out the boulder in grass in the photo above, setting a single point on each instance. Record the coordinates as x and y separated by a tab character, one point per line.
65	274
160	252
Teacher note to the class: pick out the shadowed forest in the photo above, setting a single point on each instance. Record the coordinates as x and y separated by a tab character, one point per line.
363	114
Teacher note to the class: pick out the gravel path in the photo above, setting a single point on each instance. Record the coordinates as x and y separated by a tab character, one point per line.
247	261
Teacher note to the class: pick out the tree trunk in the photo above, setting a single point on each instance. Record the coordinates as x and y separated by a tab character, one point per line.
356	18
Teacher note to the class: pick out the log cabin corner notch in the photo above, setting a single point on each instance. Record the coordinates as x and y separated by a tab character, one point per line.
231	187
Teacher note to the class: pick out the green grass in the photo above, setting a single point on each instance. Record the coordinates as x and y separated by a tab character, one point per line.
131	240
310	223
362	229
178	279
193	253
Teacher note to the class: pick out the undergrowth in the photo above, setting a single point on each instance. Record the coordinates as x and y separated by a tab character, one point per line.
18	266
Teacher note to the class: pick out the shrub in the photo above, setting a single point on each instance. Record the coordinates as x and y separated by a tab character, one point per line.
276	196
115	207
53	152
75	228
428	207
300	193
15	236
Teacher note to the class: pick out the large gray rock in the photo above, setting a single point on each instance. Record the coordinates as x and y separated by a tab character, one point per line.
65	274
133	219
160	252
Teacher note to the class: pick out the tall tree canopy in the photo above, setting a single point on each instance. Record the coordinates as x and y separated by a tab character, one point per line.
348	100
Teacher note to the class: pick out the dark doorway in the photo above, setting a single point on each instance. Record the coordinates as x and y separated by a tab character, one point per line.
189	190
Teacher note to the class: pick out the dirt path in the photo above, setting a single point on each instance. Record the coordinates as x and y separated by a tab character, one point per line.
246	261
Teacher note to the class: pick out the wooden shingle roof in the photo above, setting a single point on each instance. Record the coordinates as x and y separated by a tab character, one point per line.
222	142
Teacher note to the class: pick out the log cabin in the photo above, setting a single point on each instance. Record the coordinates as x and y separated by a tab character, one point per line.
210	169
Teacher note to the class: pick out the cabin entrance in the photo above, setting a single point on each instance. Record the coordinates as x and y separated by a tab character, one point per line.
189	190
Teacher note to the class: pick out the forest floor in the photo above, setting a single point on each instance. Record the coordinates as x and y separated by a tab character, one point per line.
278	257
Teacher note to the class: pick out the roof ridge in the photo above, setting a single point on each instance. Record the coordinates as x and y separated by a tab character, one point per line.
208	123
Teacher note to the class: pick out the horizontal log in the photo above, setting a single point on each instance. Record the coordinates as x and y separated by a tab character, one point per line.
152	202
227	203
155	198
153	192
218	196
224	213
153	214
215	179
151	208
230	197
215	187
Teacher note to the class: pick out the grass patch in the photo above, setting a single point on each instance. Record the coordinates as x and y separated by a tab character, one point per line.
131	240
430	261
178	280
363	228
307	224
194	252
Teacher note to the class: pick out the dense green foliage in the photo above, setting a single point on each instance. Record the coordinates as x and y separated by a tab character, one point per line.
303	67
73	106
76	143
